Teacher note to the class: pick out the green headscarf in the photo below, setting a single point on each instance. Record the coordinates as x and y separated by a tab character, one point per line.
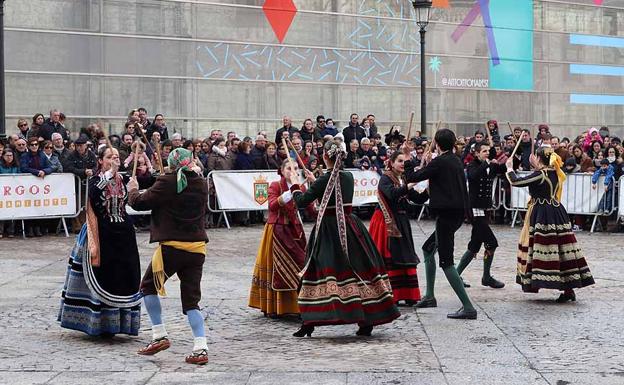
179	161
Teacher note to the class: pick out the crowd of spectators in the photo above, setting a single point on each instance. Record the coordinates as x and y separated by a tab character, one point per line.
44	146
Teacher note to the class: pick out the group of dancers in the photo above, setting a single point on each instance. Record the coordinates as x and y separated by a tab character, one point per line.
344	273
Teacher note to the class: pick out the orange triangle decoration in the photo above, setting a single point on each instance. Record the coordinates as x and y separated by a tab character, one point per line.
280	14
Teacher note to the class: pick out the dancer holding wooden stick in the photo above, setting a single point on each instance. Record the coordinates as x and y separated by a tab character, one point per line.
449	203
299	160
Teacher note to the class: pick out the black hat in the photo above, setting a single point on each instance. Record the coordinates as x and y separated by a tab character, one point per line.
82	139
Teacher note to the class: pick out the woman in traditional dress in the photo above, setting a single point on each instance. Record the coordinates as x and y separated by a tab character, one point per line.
281	253
548	255
344	279
101	293
390	229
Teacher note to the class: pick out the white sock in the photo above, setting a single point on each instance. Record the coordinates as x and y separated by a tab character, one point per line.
200	343
158	331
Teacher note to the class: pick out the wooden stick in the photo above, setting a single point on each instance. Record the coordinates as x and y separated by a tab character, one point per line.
510	129
489	134
411	122
432	142
287	150
532	140
513	153
136	158
298	157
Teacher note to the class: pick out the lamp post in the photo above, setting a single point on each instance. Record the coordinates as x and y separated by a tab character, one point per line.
423	8
2	113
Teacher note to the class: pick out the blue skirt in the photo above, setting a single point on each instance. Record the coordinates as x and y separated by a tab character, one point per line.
86	307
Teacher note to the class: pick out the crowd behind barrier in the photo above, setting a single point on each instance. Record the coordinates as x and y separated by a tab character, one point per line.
44	146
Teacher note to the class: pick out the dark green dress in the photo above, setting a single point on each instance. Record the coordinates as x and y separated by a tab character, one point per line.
339	288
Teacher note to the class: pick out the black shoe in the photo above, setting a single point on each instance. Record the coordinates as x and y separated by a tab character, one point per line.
304	331
410	302
365	331
466	284
566	297
29	233
427	302
38	232
463	314
492	282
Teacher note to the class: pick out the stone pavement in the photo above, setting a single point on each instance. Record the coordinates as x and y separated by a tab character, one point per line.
518	338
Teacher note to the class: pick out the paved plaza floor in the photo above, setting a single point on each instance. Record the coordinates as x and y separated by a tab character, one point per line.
518	338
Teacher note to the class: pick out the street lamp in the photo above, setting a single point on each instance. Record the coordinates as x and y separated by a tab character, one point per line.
423	8
2	114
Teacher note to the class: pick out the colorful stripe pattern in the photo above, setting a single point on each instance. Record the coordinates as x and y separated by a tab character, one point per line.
549	256
81	310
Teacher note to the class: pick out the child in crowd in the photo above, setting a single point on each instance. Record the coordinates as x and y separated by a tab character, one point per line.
607	171
142	157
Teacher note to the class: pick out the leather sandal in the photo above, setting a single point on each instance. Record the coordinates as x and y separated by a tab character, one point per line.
157	345
199	357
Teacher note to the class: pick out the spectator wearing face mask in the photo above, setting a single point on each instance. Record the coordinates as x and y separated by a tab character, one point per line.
612	155
329	128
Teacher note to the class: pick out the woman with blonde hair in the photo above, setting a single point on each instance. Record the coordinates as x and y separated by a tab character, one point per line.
548	254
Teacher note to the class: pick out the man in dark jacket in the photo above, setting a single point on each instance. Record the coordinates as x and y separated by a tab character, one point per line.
373	127
523	154
52	125
353	130
481	174
81	161
449	203
59	147
259	149
178	202
288	127
158	126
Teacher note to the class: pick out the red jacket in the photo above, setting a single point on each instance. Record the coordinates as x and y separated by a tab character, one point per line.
278	212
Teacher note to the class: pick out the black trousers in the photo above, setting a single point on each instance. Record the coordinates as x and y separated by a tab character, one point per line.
481	235
443	238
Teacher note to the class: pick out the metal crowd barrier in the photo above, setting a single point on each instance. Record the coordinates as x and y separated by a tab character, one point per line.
578	197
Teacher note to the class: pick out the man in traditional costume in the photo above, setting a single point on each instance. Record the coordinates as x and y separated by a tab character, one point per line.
178	202
449	203
481	174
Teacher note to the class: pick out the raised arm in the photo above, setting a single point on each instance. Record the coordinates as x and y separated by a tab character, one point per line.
315	191
150	198
428	172
522	181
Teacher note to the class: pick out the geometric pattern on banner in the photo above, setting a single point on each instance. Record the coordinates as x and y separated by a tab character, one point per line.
344	66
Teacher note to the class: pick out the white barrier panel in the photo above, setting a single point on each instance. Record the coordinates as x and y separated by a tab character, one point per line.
620	198
577	197
250	190
365	187
243	190
24	196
